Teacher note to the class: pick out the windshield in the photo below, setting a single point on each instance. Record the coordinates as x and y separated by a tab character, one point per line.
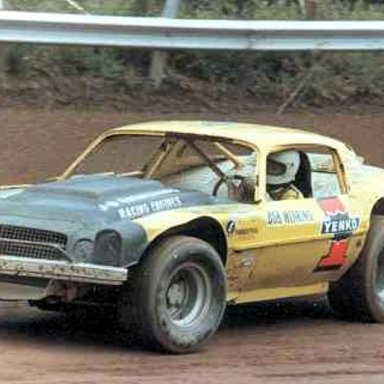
119	155
184	161
158	155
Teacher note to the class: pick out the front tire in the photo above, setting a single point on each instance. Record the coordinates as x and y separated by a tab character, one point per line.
176	297
359	295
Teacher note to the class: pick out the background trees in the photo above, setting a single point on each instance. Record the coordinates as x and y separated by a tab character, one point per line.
266	77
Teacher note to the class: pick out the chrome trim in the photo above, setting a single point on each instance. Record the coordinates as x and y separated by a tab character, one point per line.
29	242
57	247
19	232
62	270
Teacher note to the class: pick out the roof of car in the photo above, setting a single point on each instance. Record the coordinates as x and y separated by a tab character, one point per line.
260	135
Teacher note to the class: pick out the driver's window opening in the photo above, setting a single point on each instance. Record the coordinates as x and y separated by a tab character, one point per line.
214	166
301	173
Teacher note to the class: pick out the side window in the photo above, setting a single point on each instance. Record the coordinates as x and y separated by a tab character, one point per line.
325	179
302	172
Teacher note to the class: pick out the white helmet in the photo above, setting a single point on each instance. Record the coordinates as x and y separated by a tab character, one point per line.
282	167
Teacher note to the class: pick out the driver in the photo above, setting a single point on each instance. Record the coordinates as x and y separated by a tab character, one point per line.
282	168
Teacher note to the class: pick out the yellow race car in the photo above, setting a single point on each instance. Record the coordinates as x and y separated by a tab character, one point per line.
168	222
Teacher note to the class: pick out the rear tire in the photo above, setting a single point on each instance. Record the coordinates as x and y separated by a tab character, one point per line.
176	297
359	295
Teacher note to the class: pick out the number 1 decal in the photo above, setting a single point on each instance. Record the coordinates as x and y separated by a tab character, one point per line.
336	257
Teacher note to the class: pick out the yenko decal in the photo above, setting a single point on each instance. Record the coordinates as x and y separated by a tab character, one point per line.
341	225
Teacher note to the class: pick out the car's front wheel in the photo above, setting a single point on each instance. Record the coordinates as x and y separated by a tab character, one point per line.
175	299
359	295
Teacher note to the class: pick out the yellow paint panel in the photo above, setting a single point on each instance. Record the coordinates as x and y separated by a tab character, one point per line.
286	265
277	293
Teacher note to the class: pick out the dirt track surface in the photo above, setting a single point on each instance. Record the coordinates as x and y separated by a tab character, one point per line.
269	343
295	342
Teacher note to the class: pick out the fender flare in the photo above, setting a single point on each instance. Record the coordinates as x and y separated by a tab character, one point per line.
204	228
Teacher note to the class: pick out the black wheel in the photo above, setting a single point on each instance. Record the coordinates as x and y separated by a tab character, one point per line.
175	299
359	295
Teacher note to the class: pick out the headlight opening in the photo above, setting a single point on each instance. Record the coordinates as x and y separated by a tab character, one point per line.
108	248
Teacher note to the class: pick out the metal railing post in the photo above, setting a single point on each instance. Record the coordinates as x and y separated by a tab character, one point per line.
159	58
310	9
2	49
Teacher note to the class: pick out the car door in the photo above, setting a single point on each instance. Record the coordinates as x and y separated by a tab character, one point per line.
289	246
310	240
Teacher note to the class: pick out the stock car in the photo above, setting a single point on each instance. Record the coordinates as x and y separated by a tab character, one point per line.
169	222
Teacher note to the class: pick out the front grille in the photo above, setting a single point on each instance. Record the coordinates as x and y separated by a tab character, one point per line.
32	251
33	235
31	243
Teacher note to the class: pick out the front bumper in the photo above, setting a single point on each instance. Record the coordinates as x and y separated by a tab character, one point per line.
61	270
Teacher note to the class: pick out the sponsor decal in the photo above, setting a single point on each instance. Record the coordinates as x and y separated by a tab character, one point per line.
130	200
289	217
231	227
132	207
339	223
146	208
247	232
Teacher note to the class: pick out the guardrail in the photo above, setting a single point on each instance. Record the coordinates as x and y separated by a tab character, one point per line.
159	33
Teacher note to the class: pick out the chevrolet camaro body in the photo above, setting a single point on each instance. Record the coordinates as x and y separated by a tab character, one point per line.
90	230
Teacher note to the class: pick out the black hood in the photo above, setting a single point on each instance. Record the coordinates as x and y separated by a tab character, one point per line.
96	197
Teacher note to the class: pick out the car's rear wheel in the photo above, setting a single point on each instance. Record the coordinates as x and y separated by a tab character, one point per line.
359	295
175	299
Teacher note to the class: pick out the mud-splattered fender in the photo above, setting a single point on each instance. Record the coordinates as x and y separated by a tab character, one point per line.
175	222
132	238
